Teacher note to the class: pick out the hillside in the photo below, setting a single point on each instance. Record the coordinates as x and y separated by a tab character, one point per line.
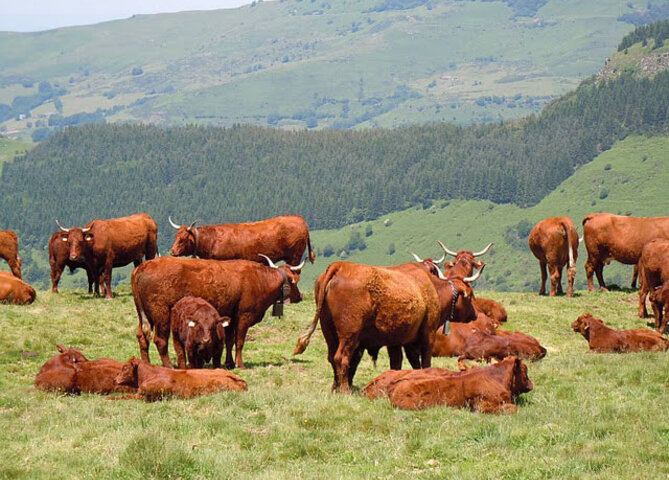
629	179
11	148
296	64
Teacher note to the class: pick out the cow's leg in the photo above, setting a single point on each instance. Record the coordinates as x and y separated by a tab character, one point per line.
635	275
181	354
109	265
143	345
555	279
243	324
571	276
332	341
412	352
662	319
544	276
599	271
230	335
15	267
643	293
91	280
162	336
342	360
589	272
426	342
355	361
56	273
137	263
395	355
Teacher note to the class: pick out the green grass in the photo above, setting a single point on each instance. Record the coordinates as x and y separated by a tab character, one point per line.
589	416
242	65
633	175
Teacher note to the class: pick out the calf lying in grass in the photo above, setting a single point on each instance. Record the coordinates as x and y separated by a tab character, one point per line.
489	389
15	291
71	372
154	382
603	339
481	340
490	308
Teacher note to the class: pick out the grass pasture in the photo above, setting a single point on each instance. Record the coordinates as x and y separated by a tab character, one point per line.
589	416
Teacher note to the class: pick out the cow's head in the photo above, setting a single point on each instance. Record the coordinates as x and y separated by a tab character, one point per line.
583	324
184	240
206	329
464	261
128	375
71	355
430	264
460	289
659	296
78	239
290	275
520	381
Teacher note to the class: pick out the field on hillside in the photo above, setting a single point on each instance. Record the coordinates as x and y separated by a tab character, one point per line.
10	148
590	416
629	179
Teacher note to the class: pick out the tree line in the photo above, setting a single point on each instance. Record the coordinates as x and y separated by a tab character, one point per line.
658	31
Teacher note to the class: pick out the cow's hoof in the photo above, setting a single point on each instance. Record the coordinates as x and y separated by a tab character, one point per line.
603	289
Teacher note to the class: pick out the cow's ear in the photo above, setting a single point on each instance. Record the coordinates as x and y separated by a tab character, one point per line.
60	348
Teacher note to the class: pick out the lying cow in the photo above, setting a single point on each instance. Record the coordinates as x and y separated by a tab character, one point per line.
198	332
15	291
491	309
487	390
654	271
616	237
9	251
154	382
603	339
71	372
554	241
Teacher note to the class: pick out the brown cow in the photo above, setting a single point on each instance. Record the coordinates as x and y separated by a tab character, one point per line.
365	307
654	268
59	259
239	289
106	244
659	299
603	339
154	382
197	332
554	241
15	291
9	251
464	261
486	390
491	309
71	372
280	238
616	237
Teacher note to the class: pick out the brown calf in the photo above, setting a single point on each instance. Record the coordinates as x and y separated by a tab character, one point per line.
15	291
9	251
654	271
156	382
603	339
491	308
198	331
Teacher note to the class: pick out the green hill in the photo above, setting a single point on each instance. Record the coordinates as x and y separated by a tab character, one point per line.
629	179
11	148
350	63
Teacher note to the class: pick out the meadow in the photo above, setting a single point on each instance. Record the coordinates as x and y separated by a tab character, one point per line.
590	416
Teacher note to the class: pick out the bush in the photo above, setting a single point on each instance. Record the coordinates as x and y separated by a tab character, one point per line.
328	251
391	249
368	230
355	242
603	194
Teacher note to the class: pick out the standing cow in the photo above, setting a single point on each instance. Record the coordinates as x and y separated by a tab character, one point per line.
9	251
239	289
464	261
617	237
365	307
59	259
654	273
280	238
106	244
554	241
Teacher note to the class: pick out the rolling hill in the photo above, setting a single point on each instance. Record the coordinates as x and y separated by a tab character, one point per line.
314	64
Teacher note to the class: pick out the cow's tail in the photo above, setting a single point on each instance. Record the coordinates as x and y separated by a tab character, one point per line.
570	237
587	218
145	323
312	254
303	340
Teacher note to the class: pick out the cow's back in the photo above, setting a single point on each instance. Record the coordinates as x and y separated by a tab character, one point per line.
548	240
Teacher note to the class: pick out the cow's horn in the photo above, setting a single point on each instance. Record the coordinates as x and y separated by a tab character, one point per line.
269	260
174	225
62	229
418	259
192	225
300	266
84	230
439	274
440	260
474	277
446	250
484	251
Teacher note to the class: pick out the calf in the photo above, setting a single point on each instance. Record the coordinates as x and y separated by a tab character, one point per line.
199	330
154	382
71	372
487	390
486	345
654	272
15	291
490	308
659	299
603	339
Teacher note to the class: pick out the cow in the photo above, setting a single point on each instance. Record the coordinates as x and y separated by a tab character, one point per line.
654	271
59	259
491	389
659	299
9	251
154	382
107	244
616	237
603	339
198	332
554	242
239	289
71	372
15	291
491	309
366	307
280	238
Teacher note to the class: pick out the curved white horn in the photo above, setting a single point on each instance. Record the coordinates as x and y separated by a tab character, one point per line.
418	259
446	250
84	230
174	225
192	225
440	260
62	229
474	277
484	251
439	274
269	260
300	266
